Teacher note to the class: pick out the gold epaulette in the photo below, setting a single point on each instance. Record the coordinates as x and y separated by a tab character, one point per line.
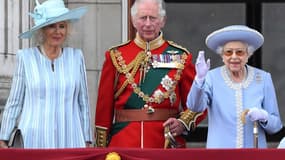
101	136
119	45
188	118
115	54
178	46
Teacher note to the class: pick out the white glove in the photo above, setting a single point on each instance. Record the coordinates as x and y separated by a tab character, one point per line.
259	114
201	67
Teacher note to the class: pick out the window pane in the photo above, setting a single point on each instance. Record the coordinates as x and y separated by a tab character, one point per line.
274	47
188	24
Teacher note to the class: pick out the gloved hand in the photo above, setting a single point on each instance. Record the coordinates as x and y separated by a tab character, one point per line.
201	67
259	114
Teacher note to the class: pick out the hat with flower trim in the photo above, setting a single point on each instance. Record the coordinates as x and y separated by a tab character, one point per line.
50	12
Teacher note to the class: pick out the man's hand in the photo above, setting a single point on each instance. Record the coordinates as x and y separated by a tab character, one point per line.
201	67
176	127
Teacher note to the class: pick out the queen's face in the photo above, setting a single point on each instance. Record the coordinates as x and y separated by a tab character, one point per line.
55	34
235	55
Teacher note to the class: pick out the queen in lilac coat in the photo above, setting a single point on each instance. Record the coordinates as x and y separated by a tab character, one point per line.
236	95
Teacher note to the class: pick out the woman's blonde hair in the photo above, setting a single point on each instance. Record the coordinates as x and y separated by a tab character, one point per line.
39	37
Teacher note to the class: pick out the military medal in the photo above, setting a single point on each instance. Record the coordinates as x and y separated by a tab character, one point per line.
167	61
166	82
158	94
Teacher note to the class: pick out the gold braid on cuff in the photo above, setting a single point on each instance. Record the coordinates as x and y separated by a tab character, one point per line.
188	118
101	136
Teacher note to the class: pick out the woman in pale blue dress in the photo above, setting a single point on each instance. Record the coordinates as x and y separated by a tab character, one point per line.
49	93
237	96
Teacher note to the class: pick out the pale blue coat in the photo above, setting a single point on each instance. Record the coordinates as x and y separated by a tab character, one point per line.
54	105
226	100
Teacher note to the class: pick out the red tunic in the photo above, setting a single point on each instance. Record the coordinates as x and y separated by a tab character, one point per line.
144	134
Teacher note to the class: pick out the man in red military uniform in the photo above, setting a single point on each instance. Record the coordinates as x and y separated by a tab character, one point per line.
144	86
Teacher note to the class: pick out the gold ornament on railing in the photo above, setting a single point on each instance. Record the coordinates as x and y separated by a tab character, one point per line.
113	156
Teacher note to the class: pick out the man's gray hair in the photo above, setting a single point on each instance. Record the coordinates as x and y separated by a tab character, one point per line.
161	7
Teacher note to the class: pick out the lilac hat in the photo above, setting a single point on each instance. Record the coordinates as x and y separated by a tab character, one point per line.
50	12
234	33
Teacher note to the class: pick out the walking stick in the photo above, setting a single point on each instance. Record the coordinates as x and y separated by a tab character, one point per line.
166	141
255	134
255	128
169	139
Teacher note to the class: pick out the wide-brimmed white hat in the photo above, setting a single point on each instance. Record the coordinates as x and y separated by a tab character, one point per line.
50	12
234	33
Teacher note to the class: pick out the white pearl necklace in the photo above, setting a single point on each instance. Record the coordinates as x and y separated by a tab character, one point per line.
44	53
